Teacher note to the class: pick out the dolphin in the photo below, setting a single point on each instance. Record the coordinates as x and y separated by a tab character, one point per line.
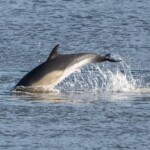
58	66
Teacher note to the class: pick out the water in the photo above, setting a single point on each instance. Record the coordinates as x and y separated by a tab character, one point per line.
105	106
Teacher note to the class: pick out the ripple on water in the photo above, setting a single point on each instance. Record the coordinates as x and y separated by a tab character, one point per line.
105	106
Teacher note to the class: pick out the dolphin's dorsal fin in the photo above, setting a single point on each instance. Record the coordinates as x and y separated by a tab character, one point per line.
54	53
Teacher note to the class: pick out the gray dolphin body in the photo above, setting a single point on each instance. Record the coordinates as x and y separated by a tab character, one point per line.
58	66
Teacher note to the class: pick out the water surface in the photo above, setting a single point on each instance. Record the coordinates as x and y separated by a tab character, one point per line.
89	112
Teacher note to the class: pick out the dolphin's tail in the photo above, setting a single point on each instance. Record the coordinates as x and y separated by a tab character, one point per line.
107	57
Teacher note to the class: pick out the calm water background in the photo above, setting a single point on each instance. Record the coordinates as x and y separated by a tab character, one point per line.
74	120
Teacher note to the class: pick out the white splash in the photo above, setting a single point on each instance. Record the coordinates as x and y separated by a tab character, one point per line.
119	82
102	78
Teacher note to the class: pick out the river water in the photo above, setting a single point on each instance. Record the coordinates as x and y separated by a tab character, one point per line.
102	107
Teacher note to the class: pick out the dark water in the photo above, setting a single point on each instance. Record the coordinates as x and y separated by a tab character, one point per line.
76	119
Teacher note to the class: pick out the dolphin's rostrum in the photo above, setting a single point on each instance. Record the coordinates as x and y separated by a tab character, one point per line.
59	66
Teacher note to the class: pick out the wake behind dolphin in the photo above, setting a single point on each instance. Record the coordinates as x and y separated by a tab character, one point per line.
57	67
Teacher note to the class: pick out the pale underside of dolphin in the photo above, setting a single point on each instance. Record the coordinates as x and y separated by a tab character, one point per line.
58	66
